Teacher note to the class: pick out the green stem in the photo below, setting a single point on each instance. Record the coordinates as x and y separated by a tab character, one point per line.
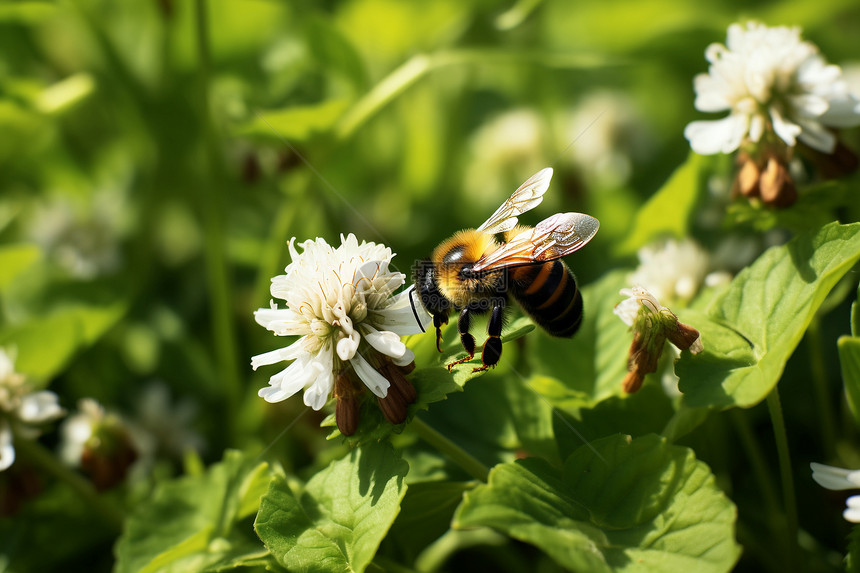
775	408
210	202
754	453
420	65
826	415
43	458
458	455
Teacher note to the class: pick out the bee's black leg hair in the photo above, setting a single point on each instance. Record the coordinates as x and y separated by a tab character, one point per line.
466	339
438	321
493	346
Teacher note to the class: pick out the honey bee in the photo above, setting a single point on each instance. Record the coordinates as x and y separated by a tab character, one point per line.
473	274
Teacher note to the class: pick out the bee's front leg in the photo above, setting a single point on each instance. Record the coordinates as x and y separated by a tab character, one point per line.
466	339
438	321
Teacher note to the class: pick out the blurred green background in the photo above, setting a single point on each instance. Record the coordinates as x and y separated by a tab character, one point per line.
156	155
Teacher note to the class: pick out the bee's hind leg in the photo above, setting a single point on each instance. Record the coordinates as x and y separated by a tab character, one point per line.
492	352
438	321
466	339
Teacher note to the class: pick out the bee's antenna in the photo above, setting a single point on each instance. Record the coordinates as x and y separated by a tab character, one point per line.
415	312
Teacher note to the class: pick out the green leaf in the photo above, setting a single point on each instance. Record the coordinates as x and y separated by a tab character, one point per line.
297	123
15	259
852	559
597	354
426	514
45	345
668	211
641	505
855	315
189	524
338	521
751	329
849	359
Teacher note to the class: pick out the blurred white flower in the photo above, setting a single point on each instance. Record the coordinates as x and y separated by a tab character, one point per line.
82	239
102	444
675	270
770	81
341	303
834	478
164	426
502	150
607	134
21	411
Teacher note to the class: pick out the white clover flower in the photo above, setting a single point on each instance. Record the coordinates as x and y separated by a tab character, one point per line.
628	309
672	269
20	409
834	478
652	324
770	81
341	303
162	425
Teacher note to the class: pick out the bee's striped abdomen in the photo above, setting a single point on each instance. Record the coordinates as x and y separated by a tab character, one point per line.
548	293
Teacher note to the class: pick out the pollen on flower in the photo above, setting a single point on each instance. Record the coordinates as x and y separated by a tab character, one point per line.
340	301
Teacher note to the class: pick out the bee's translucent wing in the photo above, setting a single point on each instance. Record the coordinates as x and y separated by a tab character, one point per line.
527	197
553	238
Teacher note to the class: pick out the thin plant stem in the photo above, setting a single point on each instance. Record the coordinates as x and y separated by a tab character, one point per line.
458	455
215	245
421	64
775	408
826	415
754	452
44	459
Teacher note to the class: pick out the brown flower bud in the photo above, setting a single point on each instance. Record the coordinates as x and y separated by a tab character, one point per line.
401	393
346	412
685	337
746	182
776	186
633	381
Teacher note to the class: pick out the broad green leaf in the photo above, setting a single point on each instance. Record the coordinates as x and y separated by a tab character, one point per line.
26	12
668	211
339	519
639	505
15	259
297	123
425	515
45	345
190	524
751	329
583	371
849	359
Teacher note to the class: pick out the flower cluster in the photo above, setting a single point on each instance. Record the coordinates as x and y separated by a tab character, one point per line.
22	411
780	94
341	303
652	325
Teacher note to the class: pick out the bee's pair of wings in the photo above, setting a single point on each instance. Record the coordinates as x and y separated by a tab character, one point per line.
552	238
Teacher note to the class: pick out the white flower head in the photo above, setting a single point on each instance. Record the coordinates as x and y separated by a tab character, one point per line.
672	269
340	301
834	478
769	80
21	409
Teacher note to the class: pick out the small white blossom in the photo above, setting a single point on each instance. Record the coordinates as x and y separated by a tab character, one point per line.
770	81
77	429
20	409
341	303
672	270
834	478
639	297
